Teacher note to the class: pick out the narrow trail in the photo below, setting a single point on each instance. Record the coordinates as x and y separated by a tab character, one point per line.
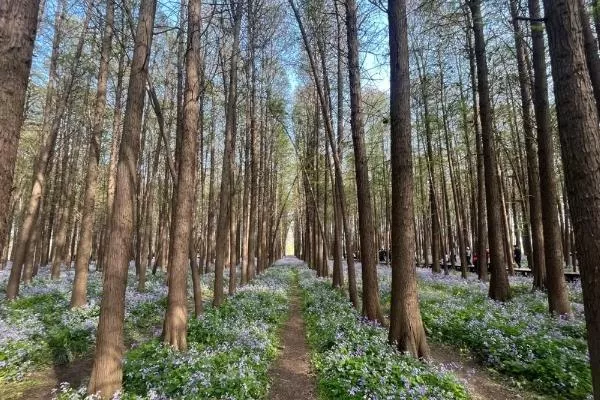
41	383
480	383
292	378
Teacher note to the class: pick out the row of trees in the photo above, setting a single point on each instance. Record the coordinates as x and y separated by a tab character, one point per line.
486	174
95	178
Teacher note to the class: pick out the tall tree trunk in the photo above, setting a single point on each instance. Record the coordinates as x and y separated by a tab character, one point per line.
533	179
580	145
245	217
499	287
18	28
481	203
371	304
175	327
558	299
211	194
114	152
406	326
454	184
433	203
449	235
226	184
336	154
84	248
591	52
40	170
106	376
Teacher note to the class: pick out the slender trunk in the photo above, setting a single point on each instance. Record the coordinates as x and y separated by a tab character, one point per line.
499	287
591	52
18	28
84	248
211	195
371	304
226	184
481	203
557	293
536	260
106	376
50	133
175	326
454	183
336	153
433	203
449	235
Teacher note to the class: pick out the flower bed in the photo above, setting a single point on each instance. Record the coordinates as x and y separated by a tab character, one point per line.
38	328
230	348
517	338
353	359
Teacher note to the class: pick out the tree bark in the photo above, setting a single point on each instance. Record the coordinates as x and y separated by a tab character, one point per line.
406	327
591	52
226	184
537	261
106	376
114	156
18	28
175	327
481	206
580	145
84	248
50	133
558	298
371	304
499	287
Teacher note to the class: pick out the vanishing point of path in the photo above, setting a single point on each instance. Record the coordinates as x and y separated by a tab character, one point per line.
292	378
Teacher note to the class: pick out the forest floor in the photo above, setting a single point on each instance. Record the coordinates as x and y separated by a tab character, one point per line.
40	384
292	378
291	374
481	383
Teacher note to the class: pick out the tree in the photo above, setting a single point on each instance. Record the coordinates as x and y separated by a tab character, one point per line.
50	133
225	202
558	297
106	376
580	146
336	155
406	326
433	201
533	179
84	248
175	327
482	236
371	305
499	287
18	28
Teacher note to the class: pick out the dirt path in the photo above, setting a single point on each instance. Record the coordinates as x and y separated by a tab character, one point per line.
478	380
292	378
39	385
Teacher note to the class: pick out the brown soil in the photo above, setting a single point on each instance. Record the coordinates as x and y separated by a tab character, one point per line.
291	375
480	382
39	385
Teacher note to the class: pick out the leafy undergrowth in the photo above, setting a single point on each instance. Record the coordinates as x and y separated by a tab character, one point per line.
353	359
230	349
39	329
518	338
